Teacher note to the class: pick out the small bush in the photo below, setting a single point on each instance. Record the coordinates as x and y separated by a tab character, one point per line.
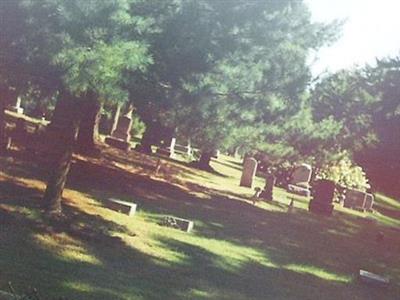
345	173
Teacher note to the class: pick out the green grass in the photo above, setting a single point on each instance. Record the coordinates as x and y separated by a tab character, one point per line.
236	251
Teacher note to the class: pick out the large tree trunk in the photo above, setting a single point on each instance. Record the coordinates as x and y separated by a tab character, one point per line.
62	134
89	126
204	162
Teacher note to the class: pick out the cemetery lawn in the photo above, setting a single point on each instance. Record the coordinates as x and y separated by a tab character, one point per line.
236	250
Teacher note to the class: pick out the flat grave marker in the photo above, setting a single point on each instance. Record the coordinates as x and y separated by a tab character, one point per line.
372	278
124	207
178	223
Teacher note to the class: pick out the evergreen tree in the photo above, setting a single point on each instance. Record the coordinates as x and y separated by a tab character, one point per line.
365	103
80	51
257	80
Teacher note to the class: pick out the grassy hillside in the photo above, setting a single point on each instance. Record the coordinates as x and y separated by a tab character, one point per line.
236	251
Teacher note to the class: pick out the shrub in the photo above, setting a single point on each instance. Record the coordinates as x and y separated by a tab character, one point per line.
345	173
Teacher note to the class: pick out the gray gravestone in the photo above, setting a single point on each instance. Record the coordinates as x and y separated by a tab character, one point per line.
302	175
300	181
248	173
121	136
354	199
267	192
123	129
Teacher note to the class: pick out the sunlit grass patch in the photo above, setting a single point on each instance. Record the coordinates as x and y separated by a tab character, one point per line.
86	288
318	272
387	201
66	248
223	254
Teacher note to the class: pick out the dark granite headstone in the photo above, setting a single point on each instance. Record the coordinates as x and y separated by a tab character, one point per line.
120	137
267	192
127	208
322	192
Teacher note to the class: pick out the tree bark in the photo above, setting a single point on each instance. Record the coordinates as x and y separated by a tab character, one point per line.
205	158
61	135
89	126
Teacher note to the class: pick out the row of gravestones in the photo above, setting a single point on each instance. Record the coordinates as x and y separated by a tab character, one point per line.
322	191
120	137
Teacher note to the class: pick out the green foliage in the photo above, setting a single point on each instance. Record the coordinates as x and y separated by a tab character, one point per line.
365	103
79	46
345	173
343	97
138	126
224	70
101	67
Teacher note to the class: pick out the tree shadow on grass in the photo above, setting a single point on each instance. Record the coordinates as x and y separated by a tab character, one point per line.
221	216
217	278
35	253
296	239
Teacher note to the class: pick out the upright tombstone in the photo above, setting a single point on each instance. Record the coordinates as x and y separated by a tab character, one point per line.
302	175
267	192
123	129
358	200
249	171
17	106
300	182
323	193
121	136
354	199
